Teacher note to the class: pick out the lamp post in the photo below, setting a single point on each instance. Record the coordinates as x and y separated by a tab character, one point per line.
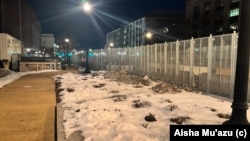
87	8
148	36
87	70
240	104
28	52
111	44
66	50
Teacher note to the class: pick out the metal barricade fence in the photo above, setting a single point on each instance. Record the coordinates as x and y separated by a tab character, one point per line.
203	64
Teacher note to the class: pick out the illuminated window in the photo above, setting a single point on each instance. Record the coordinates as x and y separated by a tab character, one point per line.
220	29
165	30
233	1
207	6
234	26
234	12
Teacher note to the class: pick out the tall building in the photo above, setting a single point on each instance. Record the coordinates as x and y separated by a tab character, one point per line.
19	20
47	40
47	43
212	17
114	38
154	28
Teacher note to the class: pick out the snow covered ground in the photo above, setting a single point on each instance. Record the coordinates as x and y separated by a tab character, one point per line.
115	106
16	75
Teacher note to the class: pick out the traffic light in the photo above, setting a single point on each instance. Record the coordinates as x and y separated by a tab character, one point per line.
90	54
69	54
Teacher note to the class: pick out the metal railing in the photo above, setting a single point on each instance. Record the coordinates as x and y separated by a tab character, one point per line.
203	64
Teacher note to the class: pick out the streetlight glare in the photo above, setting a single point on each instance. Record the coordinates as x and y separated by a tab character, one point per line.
66	40
87	7
149	35
111	44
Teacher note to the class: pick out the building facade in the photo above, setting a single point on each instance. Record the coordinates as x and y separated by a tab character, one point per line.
19	20
47	40
114	38
212	17
9	45
148	30
48	44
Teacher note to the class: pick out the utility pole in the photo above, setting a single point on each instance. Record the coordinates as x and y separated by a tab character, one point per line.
240	104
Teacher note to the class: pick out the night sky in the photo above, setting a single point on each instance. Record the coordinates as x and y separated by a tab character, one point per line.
66	19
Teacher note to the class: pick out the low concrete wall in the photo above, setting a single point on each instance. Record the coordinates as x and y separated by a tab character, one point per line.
37	66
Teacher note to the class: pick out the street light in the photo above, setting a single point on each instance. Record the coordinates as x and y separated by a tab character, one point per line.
67	49
66	40
240	104
111	44
149	37
28	51
87	8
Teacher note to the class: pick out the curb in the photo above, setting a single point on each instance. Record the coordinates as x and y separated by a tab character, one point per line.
60	134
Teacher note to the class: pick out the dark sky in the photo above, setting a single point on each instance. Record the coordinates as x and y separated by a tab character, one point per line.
66	19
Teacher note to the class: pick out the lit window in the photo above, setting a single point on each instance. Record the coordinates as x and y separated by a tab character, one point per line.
234	12
207	6
233	26
220	29
233	1
165	30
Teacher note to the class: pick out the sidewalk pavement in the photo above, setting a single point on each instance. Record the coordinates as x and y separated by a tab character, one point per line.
27	108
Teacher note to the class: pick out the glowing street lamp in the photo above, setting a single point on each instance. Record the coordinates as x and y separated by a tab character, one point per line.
149	35
87	7
111	44
67	50
66	40
240	103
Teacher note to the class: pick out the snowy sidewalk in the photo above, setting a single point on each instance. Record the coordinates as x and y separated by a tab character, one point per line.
27	106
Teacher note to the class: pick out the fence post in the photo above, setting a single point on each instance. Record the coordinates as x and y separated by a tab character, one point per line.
165	60
184	64
222	45
97	59
109	49
234	40
101	63
134	60
177	61
141	60
151	61
147	50
191	74
171	63
120	59
144	65
155	60
129	57
160	63
209	66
